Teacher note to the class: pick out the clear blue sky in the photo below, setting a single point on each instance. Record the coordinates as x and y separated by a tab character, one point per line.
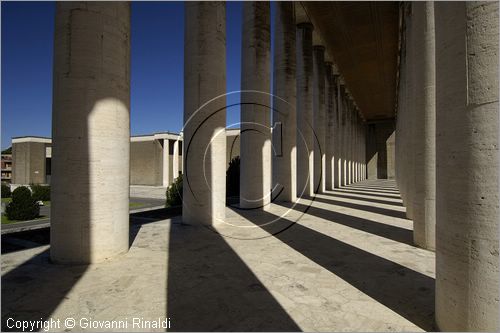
156	66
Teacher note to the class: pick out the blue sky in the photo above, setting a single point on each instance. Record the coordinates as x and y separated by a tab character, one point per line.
156	66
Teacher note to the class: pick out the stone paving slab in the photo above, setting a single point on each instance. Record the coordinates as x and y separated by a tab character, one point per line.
337	267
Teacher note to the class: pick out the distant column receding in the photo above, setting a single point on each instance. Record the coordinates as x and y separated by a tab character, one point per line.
284	115
204	143
165	162
330	129
349	141
319	118
410	119
305	135
337	137
90	132
175	160
467	242
255	135
343	134
424	203
356	147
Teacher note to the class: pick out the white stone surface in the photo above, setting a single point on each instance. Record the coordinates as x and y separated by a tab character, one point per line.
319	118
255	139
467	193
284	163
340	267
424	202
204	141
305	136
90	131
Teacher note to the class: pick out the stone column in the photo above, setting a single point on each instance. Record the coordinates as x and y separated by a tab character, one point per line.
330	130
349	141
175	160
204	142
319	118
355	138
336	132
255	144
467	243
165	163
284	115
305	136
343	171
360	155
424	204
90	132
410	118
354	146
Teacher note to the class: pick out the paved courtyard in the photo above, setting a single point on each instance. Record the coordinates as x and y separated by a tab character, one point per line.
343	262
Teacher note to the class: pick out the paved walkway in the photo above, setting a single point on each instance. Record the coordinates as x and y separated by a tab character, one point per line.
343	262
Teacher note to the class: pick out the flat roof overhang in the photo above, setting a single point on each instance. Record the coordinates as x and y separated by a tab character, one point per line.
362	38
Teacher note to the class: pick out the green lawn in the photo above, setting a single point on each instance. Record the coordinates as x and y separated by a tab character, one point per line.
136	204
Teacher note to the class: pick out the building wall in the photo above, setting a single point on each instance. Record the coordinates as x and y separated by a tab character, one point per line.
146	163
380	161
28	163
391	156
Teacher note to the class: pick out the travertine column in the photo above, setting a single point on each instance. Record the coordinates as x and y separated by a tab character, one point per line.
305	136
360	145
284	115
363	150
165	163
354	145
355	138
175	160
204	146
330	129
90	132
354	148
412	113
342	98
255	144
319	118
349	141
424	204
401	134
467	243
336	132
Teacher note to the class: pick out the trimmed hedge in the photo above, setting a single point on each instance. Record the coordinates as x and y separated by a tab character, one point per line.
6	191
23	206
174	192
40	192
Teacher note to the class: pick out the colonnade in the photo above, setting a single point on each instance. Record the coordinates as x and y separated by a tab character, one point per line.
447	153
315	123
446	137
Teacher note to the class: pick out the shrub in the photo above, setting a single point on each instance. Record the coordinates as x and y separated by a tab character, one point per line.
6	191
40	192
174	192
23	206
233	178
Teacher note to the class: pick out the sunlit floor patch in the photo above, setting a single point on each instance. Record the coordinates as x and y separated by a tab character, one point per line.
336	263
